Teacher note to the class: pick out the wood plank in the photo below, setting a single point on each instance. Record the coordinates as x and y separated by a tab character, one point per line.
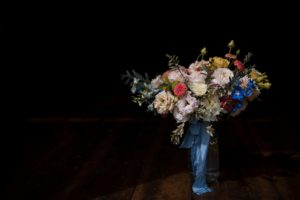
122	167
167	163
286	187
73	186
129	158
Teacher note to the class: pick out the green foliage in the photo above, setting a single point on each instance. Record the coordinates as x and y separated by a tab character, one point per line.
130	76
248	57
173	61
139	99
177	134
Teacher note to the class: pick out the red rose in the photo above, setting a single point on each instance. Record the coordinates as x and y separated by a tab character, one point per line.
180	89
226	103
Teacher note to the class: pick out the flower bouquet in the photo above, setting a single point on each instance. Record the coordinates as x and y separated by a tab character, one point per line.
199	95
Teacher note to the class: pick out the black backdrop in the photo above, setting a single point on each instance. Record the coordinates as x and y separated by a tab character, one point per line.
71	61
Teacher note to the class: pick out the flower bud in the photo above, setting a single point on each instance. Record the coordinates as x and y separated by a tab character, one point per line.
261	78
264	85
203	51
231	44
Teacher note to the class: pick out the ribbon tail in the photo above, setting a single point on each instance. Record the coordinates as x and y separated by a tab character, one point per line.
198	158
197	139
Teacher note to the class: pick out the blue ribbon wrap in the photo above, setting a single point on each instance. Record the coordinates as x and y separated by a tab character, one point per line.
197	140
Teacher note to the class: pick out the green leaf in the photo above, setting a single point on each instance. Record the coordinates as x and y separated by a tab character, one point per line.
173	60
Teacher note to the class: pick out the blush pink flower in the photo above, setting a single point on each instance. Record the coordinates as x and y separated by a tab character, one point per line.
184	107
166	74
178	74
239	65
180	89
230	55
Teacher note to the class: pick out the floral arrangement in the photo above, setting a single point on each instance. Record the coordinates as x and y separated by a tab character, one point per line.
207	90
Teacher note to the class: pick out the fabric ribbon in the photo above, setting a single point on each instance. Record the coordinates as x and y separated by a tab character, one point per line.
197	140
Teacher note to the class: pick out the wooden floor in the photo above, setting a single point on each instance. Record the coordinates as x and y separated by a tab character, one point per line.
125	156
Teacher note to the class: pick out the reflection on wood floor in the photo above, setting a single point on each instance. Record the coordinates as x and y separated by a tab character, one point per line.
120	156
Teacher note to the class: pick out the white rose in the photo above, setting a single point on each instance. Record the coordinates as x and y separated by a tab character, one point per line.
222	76
199	89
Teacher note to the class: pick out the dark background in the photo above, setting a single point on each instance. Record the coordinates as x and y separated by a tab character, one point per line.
70	65
71	61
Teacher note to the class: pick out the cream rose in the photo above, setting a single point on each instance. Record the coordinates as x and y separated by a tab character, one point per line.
164	102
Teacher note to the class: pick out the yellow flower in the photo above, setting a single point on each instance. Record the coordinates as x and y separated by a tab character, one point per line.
254	74
266	85
219	62
261	79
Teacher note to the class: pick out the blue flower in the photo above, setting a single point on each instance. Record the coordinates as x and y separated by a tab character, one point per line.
238	94
249	89
237	106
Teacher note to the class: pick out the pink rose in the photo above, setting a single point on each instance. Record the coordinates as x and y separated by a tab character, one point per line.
230	55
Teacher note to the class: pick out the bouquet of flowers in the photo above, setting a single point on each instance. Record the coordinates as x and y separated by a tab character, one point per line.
200	94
